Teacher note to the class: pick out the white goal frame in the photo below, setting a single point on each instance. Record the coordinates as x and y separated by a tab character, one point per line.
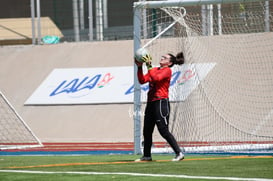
19	118
137	44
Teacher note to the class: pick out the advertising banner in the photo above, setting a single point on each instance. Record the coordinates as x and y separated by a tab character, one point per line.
109	85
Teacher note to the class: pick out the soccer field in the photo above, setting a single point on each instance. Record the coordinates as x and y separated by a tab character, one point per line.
122	167
78	109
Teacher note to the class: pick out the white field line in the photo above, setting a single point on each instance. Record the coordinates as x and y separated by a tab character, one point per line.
137	174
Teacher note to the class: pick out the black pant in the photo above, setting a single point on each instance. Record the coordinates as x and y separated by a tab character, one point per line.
157	113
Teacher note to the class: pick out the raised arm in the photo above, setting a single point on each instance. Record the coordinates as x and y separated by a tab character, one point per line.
141	77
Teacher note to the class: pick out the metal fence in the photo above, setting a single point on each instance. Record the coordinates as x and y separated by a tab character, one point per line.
53	21
31	21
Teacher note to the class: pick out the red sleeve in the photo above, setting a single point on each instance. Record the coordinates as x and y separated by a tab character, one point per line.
142	78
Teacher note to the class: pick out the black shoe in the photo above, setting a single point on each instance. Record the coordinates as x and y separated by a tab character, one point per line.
144	159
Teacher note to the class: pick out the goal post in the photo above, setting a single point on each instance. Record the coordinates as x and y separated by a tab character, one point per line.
221	98
14	132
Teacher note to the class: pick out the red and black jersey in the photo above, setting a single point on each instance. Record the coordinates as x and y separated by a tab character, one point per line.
159	82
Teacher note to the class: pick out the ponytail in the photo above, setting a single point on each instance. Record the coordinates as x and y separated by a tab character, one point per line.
178	59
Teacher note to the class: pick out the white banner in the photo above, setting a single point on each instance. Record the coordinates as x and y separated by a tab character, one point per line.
108	85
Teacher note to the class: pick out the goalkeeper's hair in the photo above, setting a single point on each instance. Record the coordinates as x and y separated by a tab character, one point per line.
177	60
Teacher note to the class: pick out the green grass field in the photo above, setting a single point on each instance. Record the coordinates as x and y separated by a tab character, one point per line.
122	167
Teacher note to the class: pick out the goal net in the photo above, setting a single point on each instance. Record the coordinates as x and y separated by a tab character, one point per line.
222	97
14	132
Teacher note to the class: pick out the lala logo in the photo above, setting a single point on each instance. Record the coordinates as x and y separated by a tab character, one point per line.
176	79
87	83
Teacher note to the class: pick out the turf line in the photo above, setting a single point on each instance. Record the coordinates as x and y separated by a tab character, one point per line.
124	162
137	174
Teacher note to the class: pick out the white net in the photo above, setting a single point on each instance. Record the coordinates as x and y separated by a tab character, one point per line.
222	97
14	133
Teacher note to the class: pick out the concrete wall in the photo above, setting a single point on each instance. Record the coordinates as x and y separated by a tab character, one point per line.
232	103
23	68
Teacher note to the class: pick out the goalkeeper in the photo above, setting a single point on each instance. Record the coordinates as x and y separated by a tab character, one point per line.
157	110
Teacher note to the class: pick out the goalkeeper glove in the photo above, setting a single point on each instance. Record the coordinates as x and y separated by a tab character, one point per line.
147	60
149	65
